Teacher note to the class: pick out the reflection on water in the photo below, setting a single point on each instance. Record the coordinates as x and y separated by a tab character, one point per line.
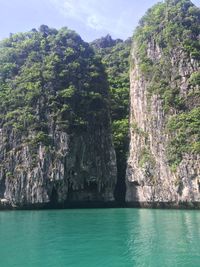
164	238
103	237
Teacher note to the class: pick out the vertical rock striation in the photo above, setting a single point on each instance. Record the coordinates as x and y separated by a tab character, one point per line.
164	158
55	134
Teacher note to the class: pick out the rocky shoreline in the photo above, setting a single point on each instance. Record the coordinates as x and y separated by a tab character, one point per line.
104	205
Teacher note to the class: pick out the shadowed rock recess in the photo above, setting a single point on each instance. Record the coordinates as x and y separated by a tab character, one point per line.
55	132
164	161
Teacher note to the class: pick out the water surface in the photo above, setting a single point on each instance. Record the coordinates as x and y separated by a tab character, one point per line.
100	237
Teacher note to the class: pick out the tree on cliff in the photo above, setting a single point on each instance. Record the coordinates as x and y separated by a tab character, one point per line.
50	71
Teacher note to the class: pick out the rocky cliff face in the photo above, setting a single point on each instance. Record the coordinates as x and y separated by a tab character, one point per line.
164	160
56	146
55	134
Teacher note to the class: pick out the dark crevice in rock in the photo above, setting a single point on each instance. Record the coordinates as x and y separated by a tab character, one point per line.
2	188
120	189
54	197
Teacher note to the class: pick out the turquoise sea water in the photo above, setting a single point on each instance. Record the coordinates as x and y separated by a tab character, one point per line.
100	237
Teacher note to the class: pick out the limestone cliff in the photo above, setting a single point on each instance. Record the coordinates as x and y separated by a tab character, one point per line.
55	134
164	159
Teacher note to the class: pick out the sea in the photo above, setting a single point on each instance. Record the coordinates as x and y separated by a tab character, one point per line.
100	238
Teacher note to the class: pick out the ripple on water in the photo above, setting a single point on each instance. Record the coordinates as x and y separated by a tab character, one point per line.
100	237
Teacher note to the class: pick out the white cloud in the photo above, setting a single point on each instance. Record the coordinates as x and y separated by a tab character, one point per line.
94	22
82	10
95	14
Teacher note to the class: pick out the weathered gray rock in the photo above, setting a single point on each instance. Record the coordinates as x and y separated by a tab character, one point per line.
79	168
149	178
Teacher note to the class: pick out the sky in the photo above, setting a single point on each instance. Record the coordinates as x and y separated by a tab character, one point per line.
92	19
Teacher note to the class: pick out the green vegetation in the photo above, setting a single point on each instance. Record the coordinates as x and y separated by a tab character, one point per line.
166	26
134	127
146	157
187	135
50	79
41	137
195	79
115	56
